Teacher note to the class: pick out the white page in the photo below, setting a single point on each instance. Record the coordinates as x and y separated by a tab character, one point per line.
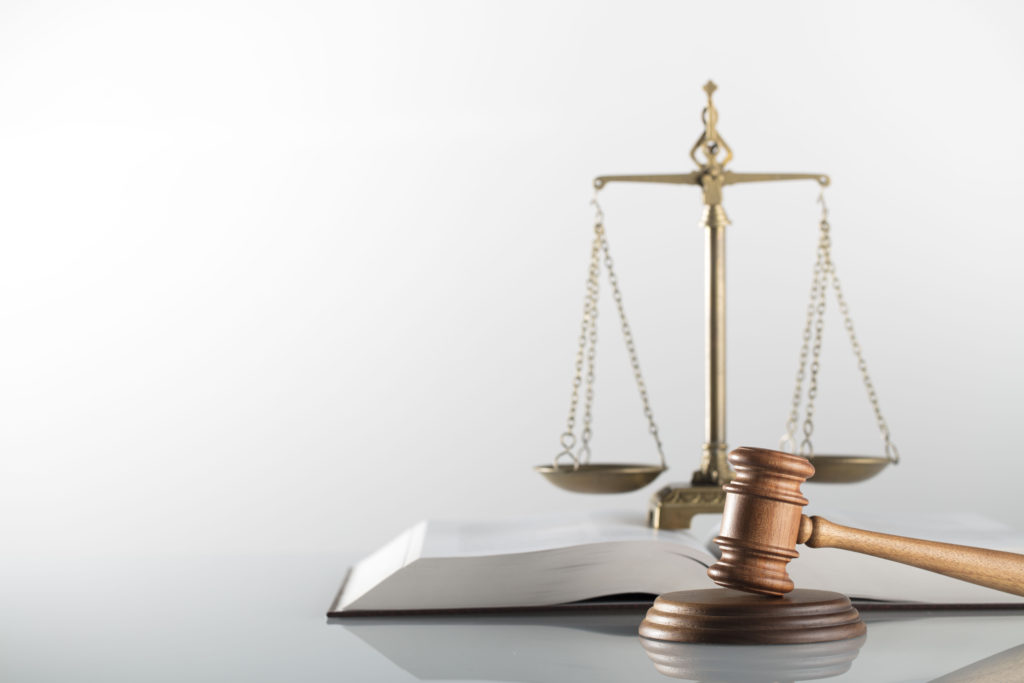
535	533
546	577
539	560
387	560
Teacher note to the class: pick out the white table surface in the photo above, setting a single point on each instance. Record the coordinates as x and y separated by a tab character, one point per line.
261	618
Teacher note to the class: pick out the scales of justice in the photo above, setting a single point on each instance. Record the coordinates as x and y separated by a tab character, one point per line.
674	506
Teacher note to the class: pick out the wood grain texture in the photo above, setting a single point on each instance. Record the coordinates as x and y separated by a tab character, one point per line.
718	615
990	568
763	506
763	522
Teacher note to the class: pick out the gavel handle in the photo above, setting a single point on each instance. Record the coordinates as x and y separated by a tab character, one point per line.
989	568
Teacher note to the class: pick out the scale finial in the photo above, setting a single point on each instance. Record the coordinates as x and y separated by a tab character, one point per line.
710	142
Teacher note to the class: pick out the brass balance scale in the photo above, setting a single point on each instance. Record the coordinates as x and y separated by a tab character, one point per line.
673	507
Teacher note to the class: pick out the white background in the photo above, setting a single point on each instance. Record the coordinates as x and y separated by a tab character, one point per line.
287	276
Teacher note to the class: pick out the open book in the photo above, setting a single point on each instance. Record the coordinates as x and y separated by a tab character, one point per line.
537	562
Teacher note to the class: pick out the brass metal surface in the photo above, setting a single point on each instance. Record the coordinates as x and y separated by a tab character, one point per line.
845	469
694	178
714	469
675	505
600	478
711	153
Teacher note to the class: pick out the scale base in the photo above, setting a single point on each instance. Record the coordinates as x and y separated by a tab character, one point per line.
674	506
722	615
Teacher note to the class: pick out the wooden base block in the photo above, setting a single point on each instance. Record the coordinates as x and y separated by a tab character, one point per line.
721	615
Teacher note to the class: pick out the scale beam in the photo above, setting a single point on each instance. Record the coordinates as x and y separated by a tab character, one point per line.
673	507
669	178
694	178
730	178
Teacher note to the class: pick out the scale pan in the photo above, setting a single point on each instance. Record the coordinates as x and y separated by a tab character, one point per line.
603	478
845	469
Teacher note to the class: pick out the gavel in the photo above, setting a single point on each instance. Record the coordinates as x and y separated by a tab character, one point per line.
763	521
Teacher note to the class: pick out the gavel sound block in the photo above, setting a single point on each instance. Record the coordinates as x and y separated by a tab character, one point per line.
761	525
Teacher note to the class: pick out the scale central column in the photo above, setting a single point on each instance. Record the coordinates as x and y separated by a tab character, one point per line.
713	458
674	507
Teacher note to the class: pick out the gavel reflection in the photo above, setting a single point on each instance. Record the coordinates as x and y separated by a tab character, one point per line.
763	522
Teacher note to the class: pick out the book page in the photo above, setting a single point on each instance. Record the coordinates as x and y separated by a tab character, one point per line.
527	561
544	577
394	555
534	533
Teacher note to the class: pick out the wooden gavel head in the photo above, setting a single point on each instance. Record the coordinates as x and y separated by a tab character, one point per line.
761	521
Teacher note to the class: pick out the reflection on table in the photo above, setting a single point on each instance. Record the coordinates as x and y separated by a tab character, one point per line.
752	663
602	646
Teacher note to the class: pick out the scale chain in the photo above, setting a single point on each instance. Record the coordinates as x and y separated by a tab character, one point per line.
806	448
587	352
824	273
588	338
627	334
583	455
891	451
788	440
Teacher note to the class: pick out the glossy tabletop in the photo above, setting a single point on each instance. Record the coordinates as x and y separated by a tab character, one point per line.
261	618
